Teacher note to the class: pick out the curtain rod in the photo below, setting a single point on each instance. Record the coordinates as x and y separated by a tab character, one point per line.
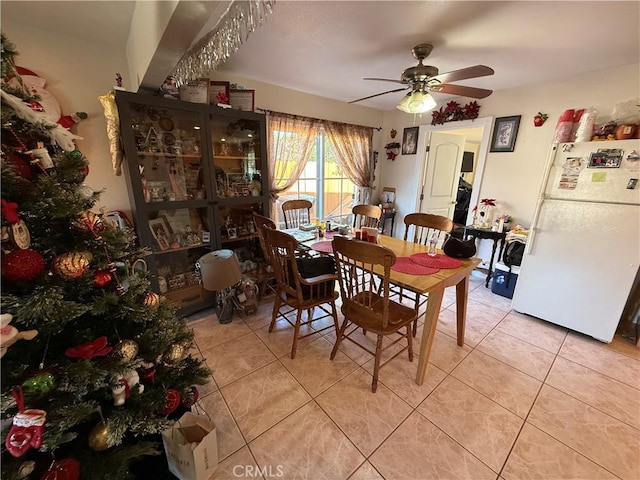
312	118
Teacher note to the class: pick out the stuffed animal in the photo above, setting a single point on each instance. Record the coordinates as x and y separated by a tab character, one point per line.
122	386
10	335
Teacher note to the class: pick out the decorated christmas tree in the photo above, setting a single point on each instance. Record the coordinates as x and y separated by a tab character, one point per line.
93	362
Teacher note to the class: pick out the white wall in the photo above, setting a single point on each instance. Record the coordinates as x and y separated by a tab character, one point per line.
513	178
77	72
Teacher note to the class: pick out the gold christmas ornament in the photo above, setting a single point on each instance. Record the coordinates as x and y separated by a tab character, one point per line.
125	350
70	266
87	221
151	300
175	353
99	437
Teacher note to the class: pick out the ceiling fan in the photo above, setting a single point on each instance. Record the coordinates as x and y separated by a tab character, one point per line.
423	79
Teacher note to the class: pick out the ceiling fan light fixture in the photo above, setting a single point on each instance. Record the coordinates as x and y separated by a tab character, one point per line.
421	102
404	103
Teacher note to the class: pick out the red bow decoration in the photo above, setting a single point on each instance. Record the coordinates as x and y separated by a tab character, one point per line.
10	211
488	201
96	348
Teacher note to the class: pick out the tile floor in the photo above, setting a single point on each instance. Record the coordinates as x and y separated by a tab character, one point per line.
521	399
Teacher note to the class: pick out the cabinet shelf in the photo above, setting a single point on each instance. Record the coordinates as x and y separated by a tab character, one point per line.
173	175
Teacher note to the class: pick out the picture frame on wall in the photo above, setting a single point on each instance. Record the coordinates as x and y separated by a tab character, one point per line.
410	141
505	132
242	99
216	88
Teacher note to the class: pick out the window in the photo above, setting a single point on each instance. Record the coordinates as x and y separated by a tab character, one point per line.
324	183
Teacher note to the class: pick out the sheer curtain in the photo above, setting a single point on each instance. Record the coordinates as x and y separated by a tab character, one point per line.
290	140
352	144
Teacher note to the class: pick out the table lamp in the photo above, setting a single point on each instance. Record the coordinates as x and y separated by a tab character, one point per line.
220	272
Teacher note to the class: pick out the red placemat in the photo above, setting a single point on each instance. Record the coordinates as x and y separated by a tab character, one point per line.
406	265
329	235
439	261
324	247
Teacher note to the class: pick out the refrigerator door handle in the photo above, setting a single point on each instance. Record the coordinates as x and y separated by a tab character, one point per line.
541	198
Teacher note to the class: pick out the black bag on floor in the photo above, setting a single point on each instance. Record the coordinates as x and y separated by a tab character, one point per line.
513	253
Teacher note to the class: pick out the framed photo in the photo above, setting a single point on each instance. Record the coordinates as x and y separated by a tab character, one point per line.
606	158
242	99
505	131
161	232
216	88
410	141
232	233
195	91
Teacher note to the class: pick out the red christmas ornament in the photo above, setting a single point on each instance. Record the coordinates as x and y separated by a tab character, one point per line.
87	221
27	429
173	402
22	265
70	266
65	469
102	278
148	376
151	300
96	348
85	171
21	165
10	211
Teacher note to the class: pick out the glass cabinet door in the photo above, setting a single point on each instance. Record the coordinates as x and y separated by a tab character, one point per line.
169	153
237	160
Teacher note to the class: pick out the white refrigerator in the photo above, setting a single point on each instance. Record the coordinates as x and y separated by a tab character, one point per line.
583	250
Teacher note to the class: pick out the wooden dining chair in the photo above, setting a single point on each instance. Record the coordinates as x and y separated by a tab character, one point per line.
421	228
269	280
366	216
365	299
302	285
296	212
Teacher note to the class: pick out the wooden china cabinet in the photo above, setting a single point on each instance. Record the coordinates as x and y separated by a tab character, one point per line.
195	174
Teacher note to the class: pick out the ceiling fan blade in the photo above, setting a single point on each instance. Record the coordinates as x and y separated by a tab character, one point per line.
385	80
461	90
463	74
378	94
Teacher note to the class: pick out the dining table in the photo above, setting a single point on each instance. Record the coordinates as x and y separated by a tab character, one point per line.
432	284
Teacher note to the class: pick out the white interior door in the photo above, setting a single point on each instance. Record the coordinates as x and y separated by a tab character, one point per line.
441	173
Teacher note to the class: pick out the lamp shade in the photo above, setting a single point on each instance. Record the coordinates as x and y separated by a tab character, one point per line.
416	102
219	270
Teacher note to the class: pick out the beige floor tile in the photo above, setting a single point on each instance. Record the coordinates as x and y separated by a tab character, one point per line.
481	319
400	376
367	418
624	346
263	316
229	436
234	359
280	340
366	472
420	450
532	330
208	387
593	354
519	354
445	352
537	455
313	368
307	445
480	425
592	433
604	393
239	465
359	355
486	296
209	332
262	398
503	384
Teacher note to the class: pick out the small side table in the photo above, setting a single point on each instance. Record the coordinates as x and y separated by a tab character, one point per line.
384	218
484	233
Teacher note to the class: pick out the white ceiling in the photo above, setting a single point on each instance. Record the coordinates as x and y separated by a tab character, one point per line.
327	47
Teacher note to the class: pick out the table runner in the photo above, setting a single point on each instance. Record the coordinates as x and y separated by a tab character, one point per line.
406	265
439	261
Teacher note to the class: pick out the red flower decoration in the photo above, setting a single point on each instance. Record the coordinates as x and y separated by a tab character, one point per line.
452	107
221	97
96	348
10	211
471	110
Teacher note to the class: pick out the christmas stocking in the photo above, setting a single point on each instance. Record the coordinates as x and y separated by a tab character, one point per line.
27	428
